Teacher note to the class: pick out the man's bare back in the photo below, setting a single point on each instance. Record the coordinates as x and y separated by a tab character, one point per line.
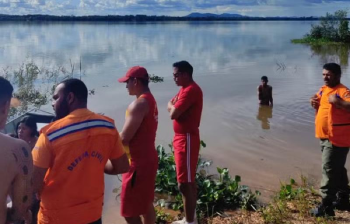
16	168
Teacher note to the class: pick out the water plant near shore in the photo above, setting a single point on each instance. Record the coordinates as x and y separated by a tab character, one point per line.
333	29
216	193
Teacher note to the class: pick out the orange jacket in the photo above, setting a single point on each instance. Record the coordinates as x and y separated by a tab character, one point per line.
75	150
333	123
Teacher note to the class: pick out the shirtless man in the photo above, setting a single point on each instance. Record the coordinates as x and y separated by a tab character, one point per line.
265	92
16	167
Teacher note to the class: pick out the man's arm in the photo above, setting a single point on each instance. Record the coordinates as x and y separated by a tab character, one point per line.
184	101
271	98
22	191
117	166
137	112
38	178
315	101
339	102
42	160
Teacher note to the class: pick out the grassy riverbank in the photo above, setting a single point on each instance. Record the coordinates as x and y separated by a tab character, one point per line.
223	200
315	41
290	205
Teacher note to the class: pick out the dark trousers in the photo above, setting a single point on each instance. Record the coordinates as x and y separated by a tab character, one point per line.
97	222
334	174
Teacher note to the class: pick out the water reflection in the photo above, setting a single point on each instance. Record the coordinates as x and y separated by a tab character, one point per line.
333	53
264	113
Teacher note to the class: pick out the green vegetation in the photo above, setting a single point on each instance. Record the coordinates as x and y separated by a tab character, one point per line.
162	217
216	193
292	205
156	79
33	85
333	29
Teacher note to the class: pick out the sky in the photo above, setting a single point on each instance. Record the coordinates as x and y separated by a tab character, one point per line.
174	7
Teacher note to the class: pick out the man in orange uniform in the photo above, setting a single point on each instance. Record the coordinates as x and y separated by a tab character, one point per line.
138	137
185	110
71	156
332	105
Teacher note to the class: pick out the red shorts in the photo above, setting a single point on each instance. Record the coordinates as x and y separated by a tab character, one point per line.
138	190
186	152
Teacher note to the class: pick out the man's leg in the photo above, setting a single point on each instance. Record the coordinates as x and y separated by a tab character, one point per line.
133	220
333	165
334	174
97	222
189	197
150	216
342	202
328	187
186	152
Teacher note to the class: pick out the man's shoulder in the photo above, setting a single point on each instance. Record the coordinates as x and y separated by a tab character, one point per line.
20	149
96	116
65	122
193	88
138	105
343	87
13	142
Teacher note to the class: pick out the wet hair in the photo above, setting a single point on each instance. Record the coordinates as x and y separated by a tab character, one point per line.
30	122
6	90
77	87
184	66
264	78
333	67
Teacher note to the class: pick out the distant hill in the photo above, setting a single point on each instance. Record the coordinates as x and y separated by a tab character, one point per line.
212	15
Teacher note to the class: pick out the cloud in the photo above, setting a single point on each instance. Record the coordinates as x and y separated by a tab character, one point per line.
173	7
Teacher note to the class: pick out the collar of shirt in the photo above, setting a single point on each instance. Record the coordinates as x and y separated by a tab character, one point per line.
80	113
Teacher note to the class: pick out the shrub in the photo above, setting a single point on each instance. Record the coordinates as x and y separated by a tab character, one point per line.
216	193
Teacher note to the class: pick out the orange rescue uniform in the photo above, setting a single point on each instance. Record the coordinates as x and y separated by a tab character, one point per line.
75	150
333	123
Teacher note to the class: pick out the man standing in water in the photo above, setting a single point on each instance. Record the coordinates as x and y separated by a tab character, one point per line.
265	92
71	156
332	105
16	167
185	110
138	136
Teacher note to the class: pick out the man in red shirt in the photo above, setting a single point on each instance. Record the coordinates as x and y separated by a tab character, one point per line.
138	137
185	110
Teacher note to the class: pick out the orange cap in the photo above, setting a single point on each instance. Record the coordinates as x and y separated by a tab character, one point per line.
135	72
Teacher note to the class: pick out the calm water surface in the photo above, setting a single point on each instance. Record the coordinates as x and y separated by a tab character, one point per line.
263	146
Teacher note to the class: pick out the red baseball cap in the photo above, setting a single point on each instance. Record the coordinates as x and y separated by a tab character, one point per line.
135	72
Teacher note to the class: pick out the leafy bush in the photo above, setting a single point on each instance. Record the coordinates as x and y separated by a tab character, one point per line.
215	192
33	85
332	28
162	217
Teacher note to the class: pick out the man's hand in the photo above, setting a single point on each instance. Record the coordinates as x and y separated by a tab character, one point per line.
170	104
28	217
333	99
315	102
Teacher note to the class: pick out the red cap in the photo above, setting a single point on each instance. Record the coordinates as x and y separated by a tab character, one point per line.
135	72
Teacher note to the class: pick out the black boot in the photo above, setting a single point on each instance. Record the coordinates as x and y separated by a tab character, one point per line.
323	210
342	204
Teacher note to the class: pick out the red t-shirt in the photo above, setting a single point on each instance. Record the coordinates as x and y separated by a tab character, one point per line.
189	101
